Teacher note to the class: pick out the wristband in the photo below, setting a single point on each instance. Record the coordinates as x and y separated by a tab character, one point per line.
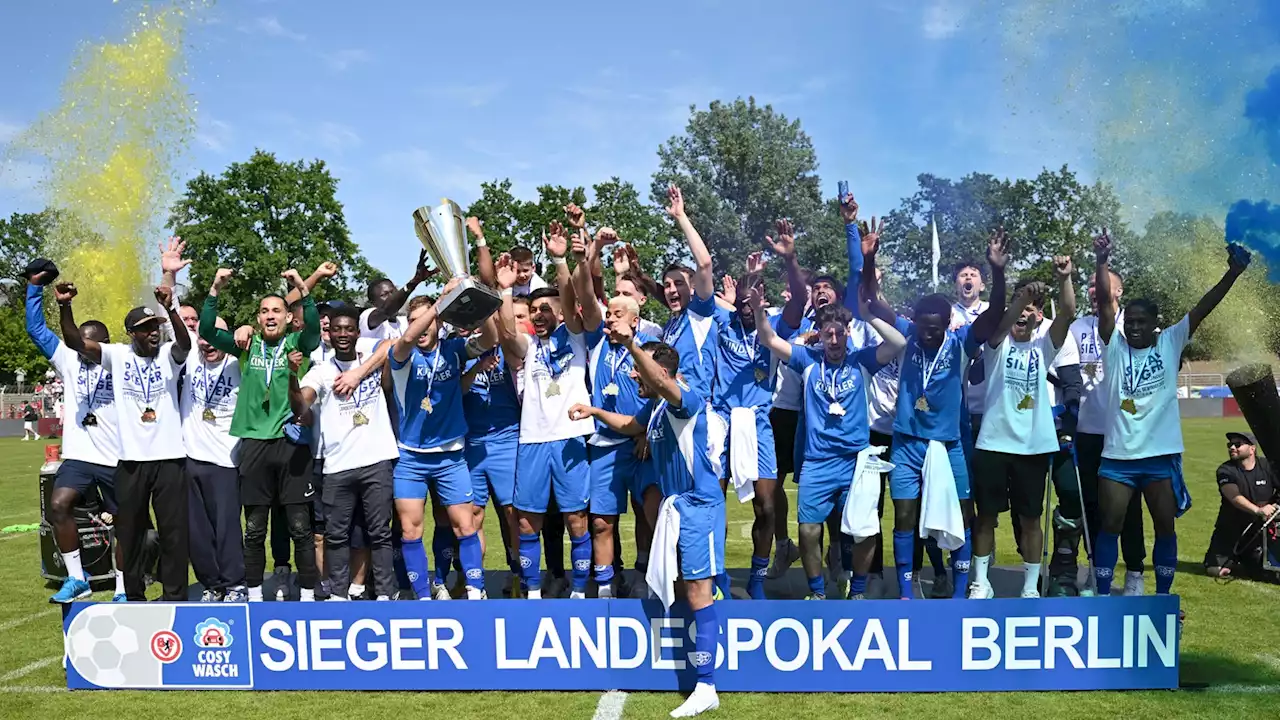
481	243
560	261
508	293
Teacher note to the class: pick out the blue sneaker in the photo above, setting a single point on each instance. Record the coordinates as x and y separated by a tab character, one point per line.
119	597
72	589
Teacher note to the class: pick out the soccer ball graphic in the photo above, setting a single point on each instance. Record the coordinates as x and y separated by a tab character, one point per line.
99	650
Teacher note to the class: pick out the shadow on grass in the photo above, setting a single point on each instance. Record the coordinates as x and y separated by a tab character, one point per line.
1201	669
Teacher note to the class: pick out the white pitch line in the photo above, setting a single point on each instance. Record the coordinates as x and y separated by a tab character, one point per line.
32	689
1271	660
11	624
1244	689
29	668
610	705
16	536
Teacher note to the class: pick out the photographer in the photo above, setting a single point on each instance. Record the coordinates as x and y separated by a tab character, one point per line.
1250	491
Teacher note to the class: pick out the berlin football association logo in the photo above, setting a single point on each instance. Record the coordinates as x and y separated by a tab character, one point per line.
166	646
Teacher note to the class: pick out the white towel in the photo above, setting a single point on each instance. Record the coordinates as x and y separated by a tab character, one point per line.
744	452
939	504
664	565
717	435
860	518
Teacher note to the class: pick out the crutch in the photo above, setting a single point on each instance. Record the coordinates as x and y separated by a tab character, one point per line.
1044	538
1084	518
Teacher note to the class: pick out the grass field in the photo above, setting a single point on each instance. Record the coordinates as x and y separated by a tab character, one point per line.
1230	668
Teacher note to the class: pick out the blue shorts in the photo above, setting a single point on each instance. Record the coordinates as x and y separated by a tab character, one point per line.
1138	474
492	463
416	473
908	462
646	477
84	477
766	460
701	541
559	465
824	486
613	470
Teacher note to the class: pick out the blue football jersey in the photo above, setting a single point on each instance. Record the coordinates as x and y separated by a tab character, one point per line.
612	387
938	379
692	333
678	444
428	394
492	405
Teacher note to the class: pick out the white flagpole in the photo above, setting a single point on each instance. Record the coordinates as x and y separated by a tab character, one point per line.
937	253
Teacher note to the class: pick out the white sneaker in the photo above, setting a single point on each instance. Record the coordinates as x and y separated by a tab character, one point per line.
337	598
704	698
440	592
783	558
981	591
1030	593
1134	584
384	598
577	595
306	595
476	594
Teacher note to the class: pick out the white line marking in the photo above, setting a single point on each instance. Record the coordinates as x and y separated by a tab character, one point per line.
16	536
1271	660
1244	689
29	668
11	624
32	689
610	705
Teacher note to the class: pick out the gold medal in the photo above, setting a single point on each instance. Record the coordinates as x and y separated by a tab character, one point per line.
760	375
208	415
148	415
610	389
835	409
922	405
553	389
426	405
361	419
1027	403
1129	406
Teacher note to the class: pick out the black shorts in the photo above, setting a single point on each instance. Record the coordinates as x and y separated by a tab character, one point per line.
1002	481
784	424
275	472
84	477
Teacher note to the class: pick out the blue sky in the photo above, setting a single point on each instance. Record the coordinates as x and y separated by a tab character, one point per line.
408	102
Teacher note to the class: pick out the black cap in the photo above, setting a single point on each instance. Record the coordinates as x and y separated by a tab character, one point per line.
41	265
331	305
140	316
1246	436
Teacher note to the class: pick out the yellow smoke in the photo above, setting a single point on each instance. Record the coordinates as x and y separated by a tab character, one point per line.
110	147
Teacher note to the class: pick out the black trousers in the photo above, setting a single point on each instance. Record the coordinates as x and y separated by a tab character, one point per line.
371	487
280	540
158	485
298	517
216	546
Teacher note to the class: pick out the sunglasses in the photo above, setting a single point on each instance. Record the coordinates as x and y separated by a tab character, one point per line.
1236	443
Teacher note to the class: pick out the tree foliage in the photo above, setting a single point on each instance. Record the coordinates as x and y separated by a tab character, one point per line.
262	217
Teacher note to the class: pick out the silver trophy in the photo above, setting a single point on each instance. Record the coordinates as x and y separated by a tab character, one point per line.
443	232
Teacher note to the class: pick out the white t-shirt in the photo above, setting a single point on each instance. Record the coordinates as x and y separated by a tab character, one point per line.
1019	417
974	394
1095	409
1143	388
141	384
1068	354
390	329
650	328
882	387
323	354
535	283
543	418
87	388
356	430
214	388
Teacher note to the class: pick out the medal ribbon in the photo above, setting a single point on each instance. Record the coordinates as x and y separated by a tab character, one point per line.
672	331
927	371
1131	384
431	377
835	374
92	397
211	388
146	388
655	418
555	360
269	365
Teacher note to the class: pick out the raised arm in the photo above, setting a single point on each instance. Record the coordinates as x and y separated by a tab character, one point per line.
514	343
625	424
704	283
324	272
37	329
399	296
780	348
484	364
557	245
1021	301
1102	287
224	340
64	293
309	337
405	344
1061	325
584	251
181	337
891	341
171	261
785	247
650	372
1237	262
853	246
484	259
997	258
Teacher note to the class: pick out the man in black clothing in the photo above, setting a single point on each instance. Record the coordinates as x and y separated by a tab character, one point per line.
1250	496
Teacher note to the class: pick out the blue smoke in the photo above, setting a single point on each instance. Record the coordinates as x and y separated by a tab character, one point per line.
1257	226
1262	110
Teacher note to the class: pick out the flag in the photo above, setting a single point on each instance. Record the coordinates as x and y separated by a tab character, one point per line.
937	253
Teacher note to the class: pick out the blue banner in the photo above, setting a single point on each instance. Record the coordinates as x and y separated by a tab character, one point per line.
1108	643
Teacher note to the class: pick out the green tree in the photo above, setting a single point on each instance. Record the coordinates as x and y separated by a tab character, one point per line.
741	167
617	205
262	217
17	352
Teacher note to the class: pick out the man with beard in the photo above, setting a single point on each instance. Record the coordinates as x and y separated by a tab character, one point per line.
360	447
273	469
90	436
1250	492
675	422
149	474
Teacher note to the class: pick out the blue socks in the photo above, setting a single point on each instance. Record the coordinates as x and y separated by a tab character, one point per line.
722	584
397	561
818	585
704	643
472	558
604	575
857	585
531	561
415	565
755	585
1165	556
904	548
960	559
1105	556
580	555
442	550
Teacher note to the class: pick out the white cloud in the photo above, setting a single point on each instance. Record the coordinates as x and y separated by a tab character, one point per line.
214	134
434	176
474	96
271	26
942	19
336	136
343	59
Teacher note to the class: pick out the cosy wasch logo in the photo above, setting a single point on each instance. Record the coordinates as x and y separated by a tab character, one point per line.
213	633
